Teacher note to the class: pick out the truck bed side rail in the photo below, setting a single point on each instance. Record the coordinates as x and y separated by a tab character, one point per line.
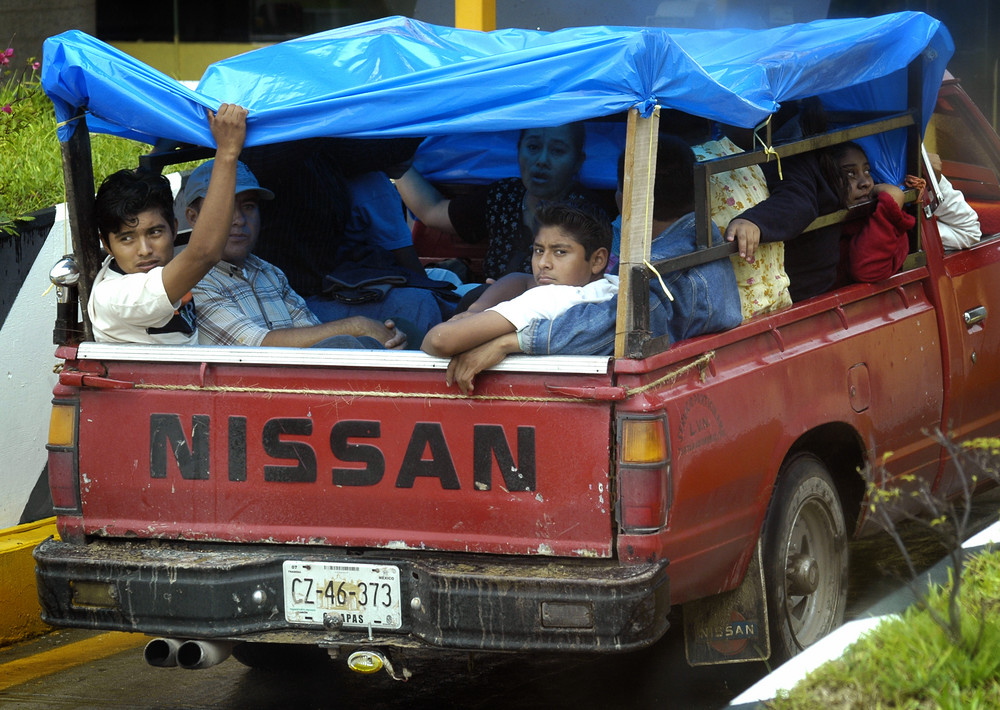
639	341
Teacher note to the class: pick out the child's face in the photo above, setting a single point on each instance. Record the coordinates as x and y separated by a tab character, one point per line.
557	258
854	167
144	246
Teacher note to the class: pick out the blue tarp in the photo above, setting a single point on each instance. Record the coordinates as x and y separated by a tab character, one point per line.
401	77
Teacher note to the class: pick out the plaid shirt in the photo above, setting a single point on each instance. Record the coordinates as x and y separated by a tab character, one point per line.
238	306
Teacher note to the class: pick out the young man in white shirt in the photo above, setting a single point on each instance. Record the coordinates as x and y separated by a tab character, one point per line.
142	293
568	258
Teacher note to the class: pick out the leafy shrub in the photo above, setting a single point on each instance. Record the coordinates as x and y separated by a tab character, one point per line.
911	661
942	651
31	175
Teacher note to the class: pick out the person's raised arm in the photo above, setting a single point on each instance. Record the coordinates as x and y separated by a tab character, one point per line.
424	200
210	234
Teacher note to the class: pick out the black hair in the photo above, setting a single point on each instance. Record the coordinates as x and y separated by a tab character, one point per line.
577	133
812	117
829	163
124	195
589	226
673	189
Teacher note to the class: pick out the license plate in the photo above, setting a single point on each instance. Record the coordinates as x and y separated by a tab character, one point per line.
361	595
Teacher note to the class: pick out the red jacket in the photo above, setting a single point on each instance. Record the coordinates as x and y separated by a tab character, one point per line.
877	246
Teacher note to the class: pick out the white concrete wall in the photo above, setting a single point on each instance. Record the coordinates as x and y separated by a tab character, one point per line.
28	357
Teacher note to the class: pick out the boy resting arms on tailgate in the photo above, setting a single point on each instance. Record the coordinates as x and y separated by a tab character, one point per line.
569	255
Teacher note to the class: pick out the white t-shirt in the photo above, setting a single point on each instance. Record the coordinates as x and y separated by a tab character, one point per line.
957	222
547	302
133	308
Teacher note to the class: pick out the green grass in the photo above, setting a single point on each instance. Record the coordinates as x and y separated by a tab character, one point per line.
911	663
31	161
31	176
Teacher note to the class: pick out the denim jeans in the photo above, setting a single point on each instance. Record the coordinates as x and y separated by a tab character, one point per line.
349	342
705	300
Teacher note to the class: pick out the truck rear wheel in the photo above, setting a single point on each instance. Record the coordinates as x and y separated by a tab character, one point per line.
805	557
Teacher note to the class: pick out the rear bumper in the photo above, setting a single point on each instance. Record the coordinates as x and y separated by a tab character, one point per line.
450	601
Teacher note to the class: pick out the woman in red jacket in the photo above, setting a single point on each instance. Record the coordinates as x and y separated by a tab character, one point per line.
875	247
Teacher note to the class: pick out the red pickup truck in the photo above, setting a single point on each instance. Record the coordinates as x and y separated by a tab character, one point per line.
245	499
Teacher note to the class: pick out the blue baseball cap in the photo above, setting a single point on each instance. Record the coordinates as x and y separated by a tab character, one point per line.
197	182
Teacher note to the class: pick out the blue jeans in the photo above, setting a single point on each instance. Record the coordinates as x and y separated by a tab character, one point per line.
705	300
349	342
414	310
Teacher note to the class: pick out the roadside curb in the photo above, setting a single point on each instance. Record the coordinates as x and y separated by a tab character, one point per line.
833	646
20	613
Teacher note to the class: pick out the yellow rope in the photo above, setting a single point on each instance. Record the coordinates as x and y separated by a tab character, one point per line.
700	364
660	278
650	168
68	120
768	150
356	393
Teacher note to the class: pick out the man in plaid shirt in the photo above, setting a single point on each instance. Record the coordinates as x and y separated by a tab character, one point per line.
244	300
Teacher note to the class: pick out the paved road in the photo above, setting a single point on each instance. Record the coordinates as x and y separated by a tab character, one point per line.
656	678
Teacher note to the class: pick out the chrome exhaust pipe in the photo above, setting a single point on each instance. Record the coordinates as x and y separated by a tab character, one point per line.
162	652
198	654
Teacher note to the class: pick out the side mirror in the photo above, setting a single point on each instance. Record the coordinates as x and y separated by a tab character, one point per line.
65	274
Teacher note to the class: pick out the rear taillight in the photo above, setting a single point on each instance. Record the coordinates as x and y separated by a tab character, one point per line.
643	482
64	480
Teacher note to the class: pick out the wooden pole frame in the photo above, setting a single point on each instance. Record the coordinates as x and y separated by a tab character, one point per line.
637	231
78	175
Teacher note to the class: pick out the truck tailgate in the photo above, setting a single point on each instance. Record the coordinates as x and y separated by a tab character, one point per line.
342	448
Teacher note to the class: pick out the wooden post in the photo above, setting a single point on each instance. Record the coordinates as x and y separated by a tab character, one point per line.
78	175
637	223
703	205
476	15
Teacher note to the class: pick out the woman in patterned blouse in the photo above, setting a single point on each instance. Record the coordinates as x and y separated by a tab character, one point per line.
549	160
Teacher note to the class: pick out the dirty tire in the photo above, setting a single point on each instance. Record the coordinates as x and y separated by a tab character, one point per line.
805	558
281	656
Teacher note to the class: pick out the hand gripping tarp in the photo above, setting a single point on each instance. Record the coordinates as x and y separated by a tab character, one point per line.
401	77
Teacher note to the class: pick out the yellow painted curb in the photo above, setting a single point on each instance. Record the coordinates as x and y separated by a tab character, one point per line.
19	610
58	659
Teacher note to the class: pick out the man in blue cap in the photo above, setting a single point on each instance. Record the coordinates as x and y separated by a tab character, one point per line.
244	300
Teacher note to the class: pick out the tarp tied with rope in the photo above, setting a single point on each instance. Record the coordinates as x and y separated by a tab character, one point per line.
401	77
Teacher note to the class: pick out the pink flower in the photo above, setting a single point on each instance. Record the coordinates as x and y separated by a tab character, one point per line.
36	65
6	108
